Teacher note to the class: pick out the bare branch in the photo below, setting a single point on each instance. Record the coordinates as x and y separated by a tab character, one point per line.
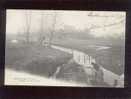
108	25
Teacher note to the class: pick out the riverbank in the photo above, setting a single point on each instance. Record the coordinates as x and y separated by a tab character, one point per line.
35	59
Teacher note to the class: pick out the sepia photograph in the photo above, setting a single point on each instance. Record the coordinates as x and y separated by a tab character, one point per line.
69	48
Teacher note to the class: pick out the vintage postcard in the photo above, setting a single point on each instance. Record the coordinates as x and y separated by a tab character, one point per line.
65	48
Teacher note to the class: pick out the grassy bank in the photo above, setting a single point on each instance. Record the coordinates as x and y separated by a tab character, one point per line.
35	59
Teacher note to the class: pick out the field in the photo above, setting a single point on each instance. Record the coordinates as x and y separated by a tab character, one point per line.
34	59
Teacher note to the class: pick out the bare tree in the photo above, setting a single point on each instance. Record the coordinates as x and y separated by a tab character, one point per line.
41	34
94	14
27	26
52	31
93	26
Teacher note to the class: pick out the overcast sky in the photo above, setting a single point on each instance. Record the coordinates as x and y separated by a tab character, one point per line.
80	20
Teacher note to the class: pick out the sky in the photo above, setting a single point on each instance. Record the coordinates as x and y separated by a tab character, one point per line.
80	20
